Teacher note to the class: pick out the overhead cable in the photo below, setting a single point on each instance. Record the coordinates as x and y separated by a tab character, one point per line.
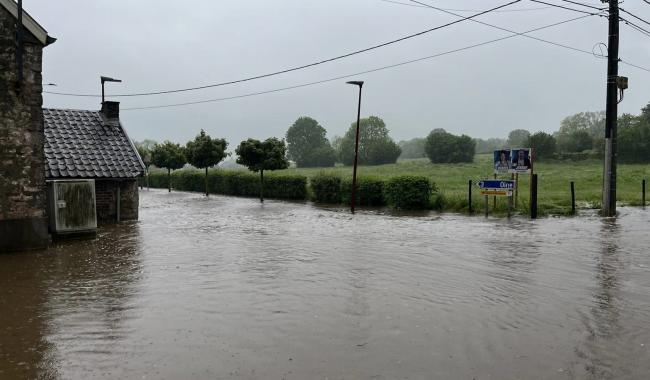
561	6
301	67
362	72
635	16
469	10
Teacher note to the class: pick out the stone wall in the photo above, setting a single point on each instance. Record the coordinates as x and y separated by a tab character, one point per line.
106	200
23	222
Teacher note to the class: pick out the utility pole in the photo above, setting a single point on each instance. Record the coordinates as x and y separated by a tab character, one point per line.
609	172
353	196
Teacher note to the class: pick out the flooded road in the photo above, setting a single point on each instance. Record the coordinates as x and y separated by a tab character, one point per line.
225	288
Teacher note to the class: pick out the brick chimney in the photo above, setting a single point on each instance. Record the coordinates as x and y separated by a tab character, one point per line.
111	110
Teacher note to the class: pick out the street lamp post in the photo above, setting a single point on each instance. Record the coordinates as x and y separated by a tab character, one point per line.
356	149
107	79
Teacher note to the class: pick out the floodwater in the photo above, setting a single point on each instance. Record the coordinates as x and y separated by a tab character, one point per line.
226	288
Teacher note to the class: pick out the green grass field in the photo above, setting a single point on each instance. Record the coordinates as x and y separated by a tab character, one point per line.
554	178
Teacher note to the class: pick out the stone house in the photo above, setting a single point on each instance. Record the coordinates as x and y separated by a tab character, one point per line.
39	144
23	203
82	144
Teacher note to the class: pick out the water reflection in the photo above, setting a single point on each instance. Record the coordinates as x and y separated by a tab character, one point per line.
23	349
600	349
71	301
227	288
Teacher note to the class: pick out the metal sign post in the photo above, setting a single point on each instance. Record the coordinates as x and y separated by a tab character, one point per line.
497	188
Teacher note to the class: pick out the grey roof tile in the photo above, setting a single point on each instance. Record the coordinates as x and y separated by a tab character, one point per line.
82	144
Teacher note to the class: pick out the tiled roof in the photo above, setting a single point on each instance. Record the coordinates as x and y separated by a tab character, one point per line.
84	144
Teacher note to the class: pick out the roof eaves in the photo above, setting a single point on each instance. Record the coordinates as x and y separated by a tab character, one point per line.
133	148
28	22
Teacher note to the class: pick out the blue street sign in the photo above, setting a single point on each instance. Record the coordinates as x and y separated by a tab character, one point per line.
496	184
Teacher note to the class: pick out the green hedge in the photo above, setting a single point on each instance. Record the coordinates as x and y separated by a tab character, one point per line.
331	188
370	191
233	182
404	192
408	192
326	188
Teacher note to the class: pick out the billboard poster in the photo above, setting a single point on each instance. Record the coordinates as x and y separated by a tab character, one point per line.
502	161
521	162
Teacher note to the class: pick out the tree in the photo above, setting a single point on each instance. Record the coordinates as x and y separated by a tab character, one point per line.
307	144
581	131
168	155
544	145
322	156
375	145
443	147
645	114
258	156
634	137
490	145
336	142
573	142
592	122
518	138
413	148
144	149
204	152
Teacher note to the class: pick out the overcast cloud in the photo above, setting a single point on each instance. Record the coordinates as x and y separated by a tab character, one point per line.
484	92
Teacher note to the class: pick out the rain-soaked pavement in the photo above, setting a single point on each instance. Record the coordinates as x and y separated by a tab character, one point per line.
224	288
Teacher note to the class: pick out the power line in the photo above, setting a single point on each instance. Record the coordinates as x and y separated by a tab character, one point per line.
468	10
635	16
561	6
302	66
531	37
362	72
512	31
584	5
637	66
636	27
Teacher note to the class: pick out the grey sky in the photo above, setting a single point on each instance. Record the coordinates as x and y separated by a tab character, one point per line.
484	92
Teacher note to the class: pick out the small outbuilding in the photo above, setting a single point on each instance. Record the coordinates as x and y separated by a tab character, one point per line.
93	145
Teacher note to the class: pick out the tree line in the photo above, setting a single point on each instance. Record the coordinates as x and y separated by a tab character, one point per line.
204	152
580	136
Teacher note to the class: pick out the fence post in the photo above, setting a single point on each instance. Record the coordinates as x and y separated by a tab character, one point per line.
533	196
494	199
516	188
487	202
510	205
469	187
643	193
573	199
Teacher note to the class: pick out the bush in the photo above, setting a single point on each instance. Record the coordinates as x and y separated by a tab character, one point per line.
239	183
544	145
326	188
408	192
321	157
370	191
443	147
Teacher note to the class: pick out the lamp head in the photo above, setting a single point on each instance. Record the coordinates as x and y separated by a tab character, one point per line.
107	79
356	82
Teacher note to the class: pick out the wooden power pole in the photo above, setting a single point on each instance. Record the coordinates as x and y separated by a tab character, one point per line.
609	172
